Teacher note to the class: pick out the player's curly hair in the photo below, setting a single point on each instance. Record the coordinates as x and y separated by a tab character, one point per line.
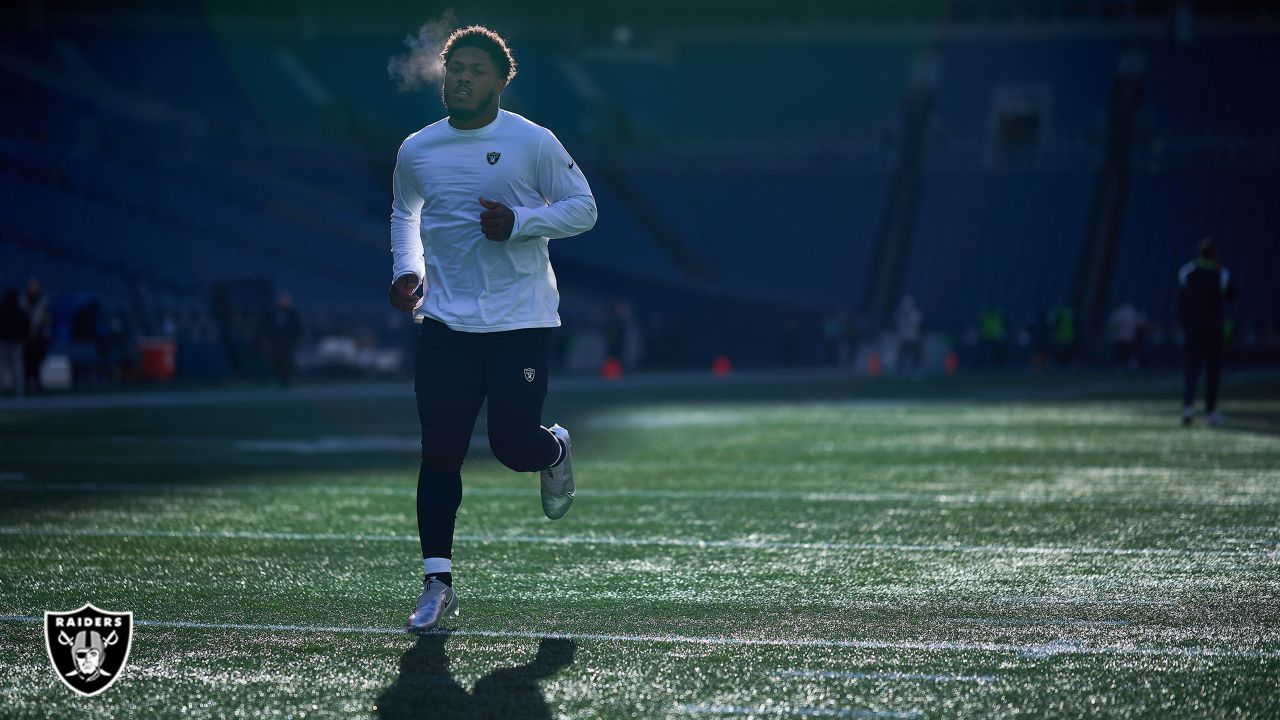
479	36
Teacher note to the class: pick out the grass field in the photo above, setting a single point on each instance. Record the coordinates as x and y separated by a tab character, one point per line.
776	547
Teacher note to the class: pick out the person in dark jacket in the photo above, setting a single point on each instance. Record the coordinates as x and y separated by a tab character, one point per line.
1204	286
284	329
13	340
35	303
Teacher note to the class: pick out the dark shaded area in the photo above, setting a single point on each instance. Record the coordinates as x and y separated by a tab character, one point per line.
979	155
426	689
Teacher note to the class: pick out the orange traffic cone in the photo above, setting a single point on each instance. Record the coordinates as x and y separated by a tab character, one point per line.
873	365
952	362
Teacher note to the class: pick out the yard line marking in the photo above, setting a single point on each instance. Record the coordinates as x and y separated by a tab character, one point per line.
1028	650
660	542
19	482
690	709
1050	600
830	674
1013	622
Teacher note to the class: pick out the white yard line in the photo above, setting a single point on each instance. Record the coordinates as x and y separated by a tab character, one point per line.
1019	622
775	711
930	677
1025	650
1050	600
18	482
661	542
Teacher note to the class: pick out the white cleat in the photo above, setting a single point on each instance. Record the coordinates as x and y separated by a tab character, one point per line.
557	482
437	602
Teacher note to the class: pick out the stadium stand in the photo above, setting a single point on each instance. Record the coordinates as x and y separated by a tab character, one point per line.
727	168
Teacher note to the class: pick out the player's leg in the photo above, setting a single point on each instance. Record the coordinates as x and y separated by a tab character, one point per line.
516	383
1191	361
1212	376
449	386
516	368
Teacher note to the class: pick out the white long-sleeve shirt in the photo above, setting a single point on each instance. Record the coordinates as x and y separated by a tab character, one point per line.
471	283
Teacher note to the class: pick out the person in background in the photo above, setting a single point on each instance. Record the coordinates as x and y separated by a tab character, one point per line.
1062	331
1204	286
1036	325
13	340
992	335
625	341
1124	333
35	303
284	329
908	320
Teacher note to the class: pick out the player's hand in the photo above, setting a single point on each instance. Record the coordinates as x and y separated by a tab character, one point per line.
402	293
497	220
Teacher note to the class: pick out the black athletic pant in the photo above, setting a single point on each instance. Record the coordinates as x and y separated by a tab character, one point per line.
1203	351
455	372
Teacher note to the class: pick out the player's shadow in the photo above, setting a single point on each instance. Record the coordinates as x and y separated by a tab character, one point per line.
426	689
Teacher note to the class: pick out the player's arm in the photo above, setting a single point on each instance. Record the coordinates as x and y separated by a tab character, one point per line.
1183	272
570	207
407	266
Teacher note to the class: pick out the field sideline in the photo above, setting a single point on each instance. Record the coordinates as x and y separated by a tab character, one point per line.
780	545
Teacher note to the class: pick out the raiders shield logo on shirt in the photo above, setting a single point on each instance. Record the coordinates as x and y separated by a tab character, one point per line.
88	647
528	374
493	157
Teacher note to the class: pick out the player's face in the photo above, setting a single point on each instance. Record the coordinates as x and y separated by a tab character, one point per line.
471	83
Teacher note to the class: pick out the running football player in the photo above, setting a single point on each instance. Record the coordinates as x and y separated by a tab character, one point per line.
476	197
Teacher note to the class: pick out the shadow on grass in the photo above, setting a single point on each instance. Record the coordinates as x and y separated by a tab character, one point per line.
426	689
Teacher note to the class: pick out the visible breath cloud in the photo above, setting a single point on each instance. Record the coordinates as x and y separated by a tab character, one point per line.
421	65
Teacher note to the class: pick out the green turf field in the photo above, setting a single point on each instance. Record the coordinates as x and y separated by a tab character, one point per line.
982	548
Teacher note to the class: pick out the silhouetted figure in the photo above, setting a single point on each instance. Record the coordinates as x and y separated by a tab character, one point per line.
837	348
992	335
1204	286
908	320
1062	332
1125	331
1036	326
13	339
40	329
426	689
283	330
625	341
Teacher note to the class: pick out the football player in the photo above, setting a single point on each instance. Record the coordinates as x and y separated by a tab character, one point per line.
476	198
1204	286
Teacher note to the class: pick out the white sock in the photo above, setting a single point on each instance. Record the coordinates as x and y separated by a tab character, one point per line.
436	565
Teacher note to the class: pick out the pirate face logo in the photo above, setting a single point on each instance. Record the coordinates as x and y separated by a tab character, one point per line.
493	157
88	647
